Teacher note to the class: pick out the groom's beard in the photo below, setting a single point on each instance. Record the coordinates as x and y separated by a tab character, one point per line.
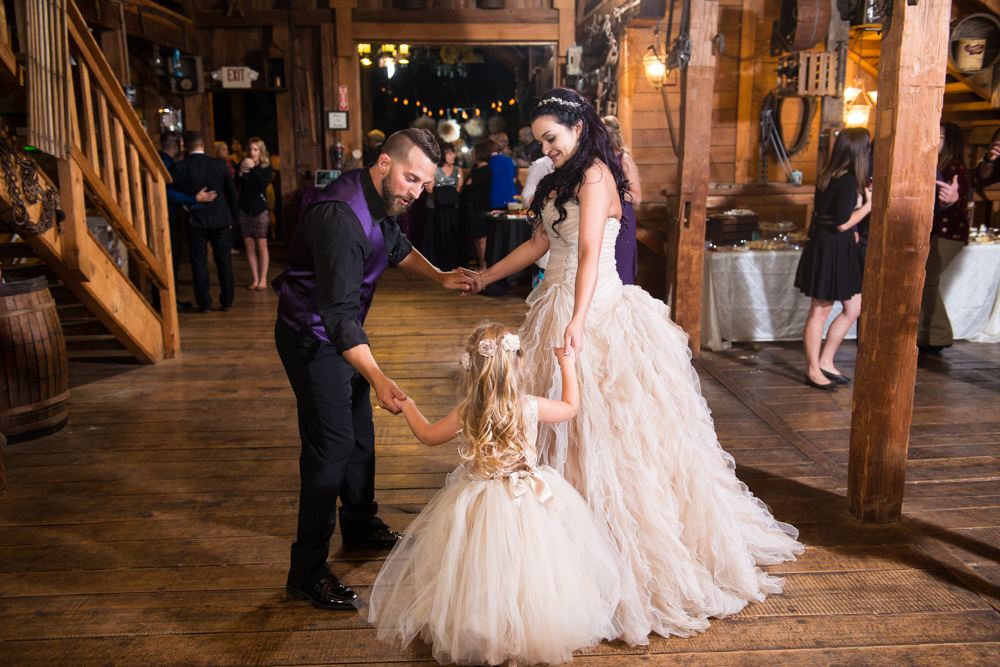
391	198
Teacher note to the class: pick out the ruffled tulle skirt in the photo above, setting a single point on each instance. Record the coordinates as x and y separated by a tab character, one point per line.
489	572
643	453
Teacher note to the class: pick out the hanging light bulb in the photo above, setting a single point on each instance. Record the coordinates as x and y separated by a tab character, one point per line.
656	71
406	103
390	67
512	101
465	116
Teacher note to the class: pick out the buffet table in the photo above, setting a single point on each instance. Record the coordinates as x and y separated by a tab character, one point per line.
751	296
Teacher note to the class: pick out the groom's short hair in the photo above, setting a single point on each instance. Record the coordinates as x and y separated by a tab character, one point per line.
398	146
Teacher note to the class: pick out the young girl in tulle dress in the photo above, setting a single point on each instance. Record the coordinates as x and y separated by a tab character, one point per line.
506	562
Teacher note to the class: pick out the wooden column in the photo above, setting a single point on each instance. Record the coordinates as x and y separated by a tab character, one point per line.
832	108
567	34
911	90
328	85
286	135
747	122
684	270
348	74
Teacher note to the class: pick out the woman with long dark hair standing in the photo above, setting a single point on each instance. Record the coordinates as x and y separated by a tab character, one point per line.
949	234
830	267
254	218
476	193
443	237
642	450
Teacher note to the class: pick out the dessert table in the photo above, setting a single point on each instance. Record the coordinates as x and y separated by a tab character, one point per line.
751	296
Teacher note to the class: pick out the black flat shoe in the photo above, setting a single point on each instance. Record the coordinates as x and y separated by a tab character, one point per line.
326	593
839	379
824	387
381	539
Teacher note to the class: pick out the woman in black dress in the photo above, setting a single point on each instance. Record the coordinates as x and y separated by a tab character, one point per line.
477	197
443	239
830	267
253	177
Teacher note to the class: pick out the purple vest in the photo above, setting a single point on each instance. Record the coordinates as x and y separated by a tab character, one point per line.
296	287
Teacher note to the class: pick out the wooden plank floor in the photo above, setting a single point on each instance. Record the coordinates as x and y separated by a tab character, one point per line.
154	530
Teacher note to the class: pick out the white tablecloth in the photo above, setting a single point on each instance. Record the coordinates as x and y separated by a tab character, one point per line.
751	296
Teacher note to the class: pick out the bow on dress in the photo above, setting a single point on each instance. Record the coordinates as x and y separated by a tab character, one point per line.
520	483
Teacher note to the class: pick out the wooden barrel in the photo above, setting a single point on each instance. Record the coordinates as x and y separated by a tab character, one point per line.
979	31
35	367
804	23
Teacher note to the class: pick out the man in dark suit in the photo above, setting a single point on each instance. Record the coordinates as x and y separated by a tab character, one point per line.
211	223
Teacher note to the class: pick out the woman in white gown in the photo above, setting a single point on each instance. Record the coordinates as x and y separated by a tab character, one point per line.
642	450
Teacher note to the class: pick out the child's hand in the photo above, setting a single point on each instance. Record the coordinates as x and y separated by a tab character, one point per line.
565	355
400	402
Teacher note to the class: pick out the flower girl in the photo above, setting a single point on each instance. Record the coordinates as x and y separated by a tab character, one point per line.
506	562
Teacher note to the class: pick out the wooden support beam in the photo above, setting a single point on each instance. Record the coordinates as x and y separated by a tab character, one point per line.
685	271
287	174
328	86
865	65
76	249
348	72
747	126
911	89
566	32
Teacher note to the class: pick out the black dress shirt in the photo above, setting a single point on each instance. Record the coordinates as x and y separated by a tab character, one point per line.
339	247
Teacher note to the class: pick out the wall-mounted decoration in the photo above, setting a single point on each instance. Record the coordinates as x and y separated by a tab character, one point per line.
235	77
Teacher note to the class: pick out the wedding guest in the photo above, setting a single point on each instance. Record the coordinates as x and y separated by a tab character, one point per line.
626	247
443	238
829	269
528	150
236	153
373	146
986	172
171	148
476	192
222	153
502	173
254	176
949	234
209	224
503	143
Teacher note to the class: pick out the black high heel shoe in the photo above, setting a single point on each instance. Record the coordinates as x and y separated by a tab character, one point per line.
839	379
824	387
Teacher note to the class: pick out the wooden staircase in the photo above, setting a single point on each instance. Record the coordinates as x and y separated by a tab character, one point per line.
112	168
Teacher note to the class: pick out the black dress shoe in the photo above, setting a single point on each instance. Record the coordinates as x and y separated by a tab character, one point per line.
326	593
380	539
839	379
824	387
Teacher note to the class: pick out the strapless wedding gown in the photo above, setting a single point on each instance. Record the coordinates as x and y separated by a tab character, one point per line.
643	451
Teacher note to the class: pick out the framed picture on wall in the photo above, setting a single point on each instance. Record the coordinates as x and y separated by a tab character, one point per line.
337	120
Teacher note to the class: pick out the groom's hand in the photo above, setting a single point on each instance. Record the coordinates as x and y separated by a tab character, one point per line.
388	393
458	280
474	280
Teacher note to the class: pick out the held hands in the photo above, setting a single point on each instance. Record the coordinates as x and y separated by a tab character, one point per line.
948	192
389	395
994	153
474	280
565	356
205	195
573	338
459	280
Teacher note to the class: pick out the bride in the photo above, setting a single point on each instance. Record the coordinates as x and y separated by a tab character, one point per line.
643	449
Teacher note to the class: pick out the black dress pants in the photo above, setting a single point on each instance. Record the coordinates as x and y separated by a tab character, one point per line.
176	238
222	251
338	450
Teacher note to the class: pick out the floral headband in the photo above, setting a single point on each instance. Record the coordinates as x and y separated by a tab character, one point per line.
488	347
558	100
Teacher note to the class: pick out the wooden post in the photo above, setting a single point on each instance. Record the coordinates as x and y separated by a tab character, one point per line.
348	73
684	273
76	246
747	126
911	90
567	34
328	83
286	135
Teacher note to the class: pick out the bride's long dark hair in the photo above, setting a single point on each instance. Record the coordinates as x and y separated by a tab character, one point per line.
567	107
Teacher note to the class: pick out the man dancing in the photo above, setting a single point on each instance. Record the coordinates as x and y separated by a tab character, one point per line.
347	238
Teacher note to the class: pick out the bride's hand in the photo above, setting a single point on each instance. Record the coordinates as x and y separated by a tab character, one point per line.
475	278
573	338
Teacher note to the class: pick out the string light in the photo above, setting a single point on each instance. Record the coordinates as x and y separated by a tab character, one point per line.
493	105
477	112
512	101
465	116
406	102
395	99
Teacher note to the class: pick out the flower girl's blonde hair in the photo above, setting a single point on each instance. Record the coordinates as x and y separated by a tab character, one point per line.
490	415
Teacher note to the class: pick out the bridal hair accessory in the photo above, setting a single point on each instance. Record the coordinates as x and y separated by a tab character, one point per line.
487	347
466	361
558	100
510	342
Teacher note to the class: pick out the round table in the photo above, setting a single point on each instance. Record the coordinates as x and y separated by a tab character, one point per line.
504	233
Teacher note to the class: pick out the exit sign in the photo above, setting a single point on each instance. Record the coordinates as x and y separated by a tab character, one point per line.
237	77
343	98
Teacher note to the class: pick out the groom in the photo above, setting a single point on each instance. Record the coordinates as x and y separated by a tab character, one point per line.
347	238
